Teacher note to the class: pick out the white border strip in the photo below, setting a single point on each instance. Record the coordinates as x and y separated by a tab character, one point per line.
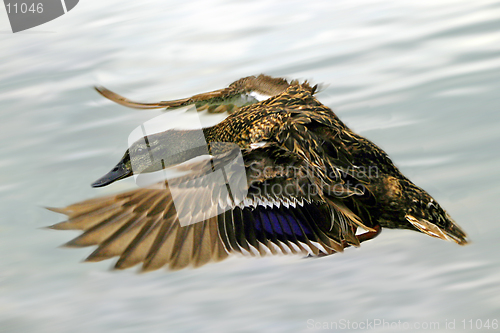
64	6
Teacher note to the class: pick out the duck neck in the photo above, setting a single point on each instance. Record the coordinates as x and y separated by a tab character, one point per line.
184	145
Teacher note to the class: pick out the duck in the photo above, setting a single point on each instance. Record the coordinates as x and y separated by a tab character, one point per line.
281	174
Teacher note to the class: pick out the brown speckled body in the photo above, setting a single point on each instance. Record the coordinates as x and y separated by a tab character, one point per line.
298	122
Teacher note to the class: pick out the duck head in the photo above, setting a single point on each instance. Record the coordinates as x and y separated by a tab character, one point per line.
410	207
156	152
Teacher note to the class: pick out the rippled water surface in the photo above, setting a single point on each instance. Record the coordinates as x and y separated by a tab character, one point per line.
419	78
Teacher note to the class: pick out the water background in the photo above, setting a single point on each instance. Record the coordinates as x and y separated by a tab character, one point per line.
420	78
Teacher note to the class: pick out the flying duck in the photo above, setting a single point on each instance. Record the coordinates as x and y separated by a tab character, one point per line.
281	175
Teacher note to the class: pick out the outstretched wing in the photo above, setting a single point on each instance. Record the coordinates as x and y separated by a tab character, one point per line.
230	99
141	226
144	225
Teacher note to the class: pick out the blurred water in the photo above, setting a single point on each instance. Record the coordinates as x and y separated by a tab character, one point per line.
419	78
